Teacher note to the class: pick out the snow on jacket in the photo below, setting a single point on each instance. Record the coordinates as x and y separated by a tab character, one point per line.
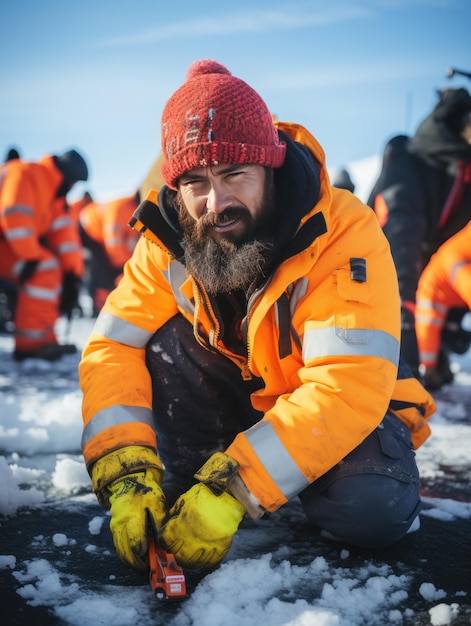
322	332
33	218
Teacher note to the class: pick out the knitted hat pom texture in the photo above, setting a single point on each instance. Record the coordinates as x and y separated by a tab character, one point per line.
216	118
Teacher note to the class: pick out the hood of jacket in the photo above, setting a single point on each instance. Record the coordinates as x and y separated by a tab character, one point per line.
438	138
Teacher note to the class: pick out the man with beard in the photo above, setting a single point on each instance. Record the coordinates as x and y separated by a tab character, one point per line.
250	353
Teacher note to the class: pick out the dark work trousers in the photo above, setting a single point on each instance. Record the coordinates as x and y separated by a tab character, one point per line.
200	403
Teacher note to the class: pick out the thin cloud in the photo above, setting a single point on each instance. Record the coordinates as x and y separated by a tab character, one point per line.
257	21
285	17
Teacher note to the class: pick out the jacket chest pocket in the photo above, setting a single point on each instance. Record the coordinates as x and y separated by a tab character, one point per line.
354	302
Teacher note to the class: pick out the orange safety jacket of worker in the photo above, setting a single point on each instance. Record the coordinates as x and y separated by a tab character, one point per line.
108	224
444	284
35	226
323	334
77	206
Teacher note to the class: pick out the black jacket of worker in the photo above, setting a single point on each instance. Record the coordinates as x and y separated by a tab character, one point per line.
423	197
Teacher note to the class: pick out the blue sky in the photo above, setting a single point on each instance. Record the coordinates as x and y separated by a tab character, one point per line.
95	74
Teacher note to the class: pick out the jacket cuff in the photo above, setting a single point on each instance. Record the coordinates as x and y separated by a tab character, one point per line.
122	462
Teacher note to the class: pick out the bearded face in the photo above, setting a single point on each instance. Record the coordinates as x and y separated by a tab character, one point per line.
229	261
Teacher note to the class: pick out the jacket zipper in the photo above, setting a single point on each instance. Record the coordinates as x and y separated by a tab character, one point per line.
201	299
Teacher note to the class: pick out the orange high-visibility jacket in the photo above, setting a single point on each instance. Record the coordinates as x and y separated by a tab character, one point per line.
444	284
32	217
108	224
323	333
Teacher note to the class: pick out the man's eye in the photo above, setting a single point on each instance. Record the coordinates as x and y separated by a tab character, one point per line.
192	182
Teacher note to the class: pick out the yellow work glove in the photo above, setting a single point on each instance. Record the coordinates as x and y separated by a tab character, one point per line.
134	497
137	508
204	520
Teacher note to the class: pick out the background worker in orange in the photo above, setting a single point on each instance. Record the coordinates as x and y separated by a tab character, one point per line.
105	232
40	250
444	284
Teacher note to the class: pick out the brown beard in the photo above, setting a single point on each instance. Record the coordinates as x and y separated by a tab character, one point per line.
222	264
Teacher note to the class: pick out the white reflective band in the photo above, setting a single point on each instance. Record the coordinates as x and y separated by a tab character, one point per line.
113	241
431	306
116	415
67	247
18	233
31	333
40	293
47	264
428	357
322	342
18	268
11	210
457	267
112	228
426	319
176	276
297	292
276	460
61	222
123	332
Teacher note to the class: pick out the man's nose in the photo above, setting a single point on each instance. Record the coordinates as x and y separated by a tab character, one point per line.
218	198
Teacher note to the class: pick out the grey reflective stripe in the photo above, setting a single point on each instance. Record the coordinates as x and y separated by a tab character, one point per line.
426	319
424	304
123	332
321	342
67	247
276	460
428	356
116	415
297	292
40	293
42	266
176	276
455	268
18	233
19	208
61	222
31	334
47	264
432	306
113	241
18	268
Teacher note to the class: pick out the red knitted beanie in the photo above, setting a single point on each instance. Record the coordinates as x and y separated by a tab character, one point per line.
216	118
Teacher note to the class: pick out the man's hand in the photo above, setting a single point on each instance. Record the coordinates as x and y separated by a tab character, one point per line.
137	508
127	481
204	520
